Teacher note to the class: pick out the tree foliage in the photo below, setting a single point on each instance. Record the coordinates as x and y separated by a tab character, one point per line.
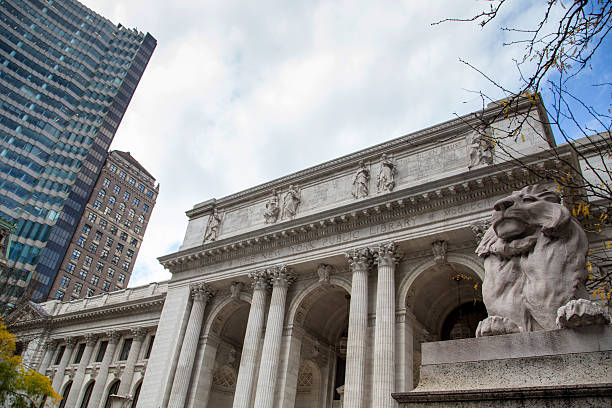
558	60
20	387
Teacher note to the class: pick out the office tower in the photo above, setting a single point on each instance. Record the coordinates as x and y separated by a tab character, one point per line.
67	75
104	247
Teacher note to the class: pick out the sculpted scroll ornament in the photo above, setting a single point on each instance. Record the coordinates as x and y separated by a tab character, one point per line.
272	209
361	181
535	266
212	229
291	203
386	175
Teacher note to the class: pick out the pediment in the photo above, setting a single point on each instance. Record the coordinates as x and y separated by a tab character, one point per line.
25	312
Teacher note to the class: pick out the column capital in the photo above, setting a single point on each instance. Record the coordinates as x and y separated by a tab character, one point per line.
260	279
139	333
200	292
70	341
387	254
280	275
113	336
50	345
359	259
91	339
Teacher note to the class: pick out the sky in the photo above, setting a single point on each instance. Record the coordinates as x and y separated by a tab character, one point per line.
238	93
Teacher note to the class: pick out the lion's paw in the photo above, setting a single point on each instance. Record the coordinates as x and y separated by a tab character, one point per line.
580	313
496	325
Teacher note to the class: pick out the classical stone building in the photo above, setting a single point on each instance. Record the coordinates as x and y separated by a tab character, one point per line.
313	290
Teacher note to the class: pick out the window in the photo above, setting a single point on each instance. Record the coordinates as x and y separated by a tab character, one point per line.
119	249
103	224
106	286
117	287
59	356
134	242
111	272
102	193
112	168
59	295
137	229
83	274
125	350
125	265
88	260
90	292
122	175
122	207
136	202
116	189
65	282
132	182
121	278
97	204
106	182
81	241
126	195
150	194
140	188
131	213
98	236
149	347
141	218
109	242
111	200
99	267
101	351
107	211
104	254
93	247
123	236
77	288
91	216
95	280
127	223
79	354
118	217
115	260
145	208
113	230
130	253
70	267
76	254
86	229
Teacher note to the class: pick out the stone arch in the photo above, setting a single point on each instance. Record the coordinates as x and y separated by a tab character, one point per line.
298	309
470	261
222	309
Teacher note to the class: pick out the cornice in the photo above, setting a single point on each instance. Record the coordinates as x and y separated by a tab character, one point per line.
456	190
434	133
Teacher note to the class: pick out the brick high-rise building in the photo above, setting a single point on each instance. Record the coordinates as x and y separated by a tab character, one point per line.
67	75
103	249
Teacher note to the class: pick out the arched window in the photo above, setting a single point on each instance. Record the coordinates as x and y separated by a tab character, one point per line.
102	193
87	395
136	395
112	200
65	395
112	391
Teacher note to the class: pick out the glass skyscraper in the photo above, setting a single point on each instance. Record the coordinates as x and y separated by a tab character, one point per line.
67	75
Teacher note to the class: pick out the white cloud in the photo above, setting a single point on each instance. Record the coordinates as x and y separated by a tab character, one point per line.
238	93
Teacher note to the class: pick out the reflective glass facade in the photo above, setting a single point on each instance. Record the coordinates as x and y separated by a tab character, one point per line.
67	76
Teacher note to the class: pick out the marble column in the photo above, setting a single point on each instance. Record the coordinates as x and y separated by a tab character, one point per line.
49	346
355	384
128	372
178	395
79	376
97	394
270	356
58	378
384	332
252	340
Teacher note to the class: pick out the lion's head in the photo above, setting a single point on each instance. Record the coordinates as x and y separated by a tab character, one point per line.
535	258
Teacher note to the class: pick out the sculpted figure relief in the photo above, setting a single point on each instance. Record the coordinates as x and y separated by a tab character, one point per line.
361	181
535	266
290	203
272	209
386	175
481	147
212	229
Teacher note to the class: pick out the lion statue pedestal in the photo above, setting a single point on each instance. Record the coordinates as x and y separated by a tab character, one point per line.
545	343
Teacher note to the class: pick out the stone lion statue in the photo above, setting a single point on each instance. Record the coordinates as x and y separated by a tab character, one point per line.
535	266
